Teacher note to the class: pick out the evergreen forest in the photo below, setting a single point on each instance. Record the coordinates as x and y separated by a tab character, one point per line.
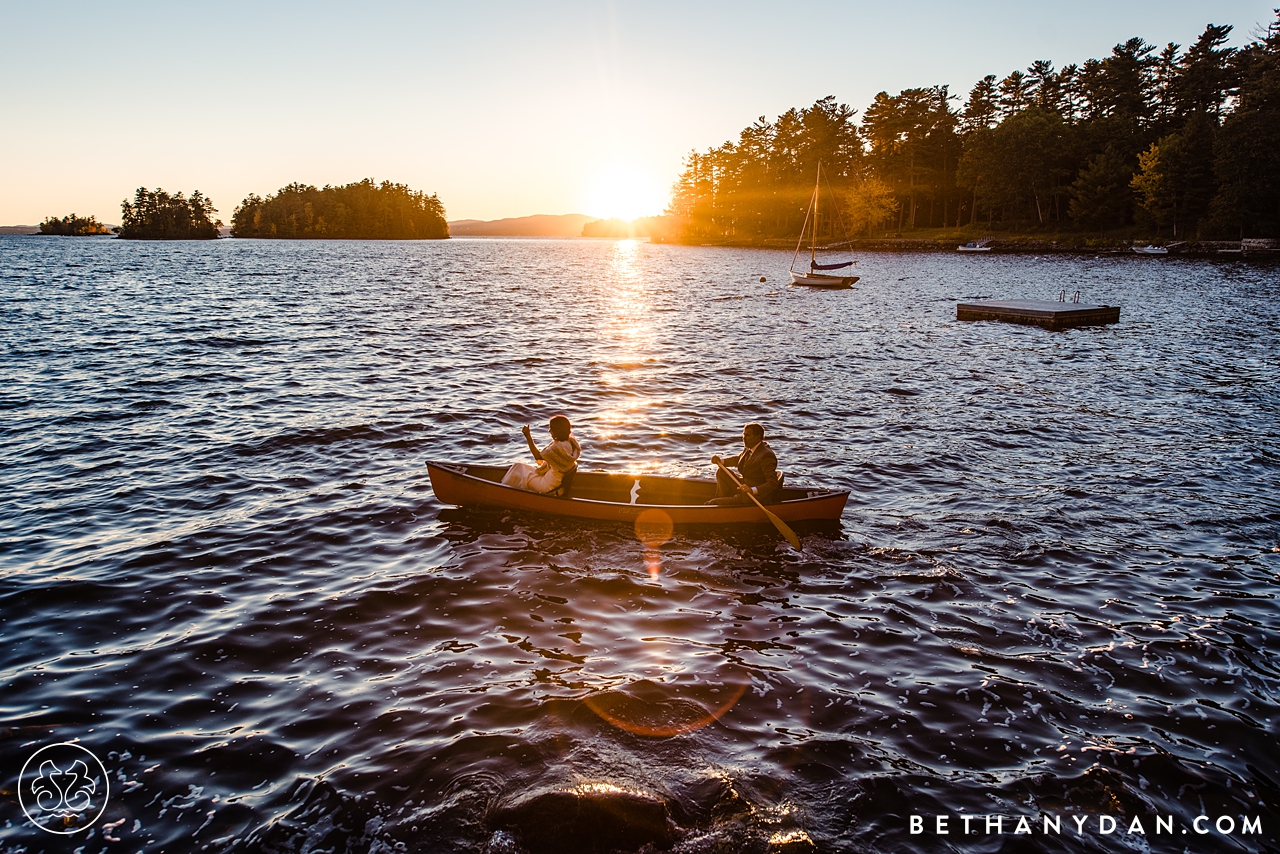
359	211
73	226
1176	143
156	215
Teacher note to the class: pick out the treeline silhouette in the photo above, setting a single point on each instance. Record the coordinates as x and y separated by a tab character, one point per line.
1177	143
73	226
156	215
359	211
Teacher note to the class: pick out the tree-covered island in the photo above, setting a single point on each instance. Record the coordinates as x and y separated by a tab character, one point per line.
156	215
1178	144
360	211
73	226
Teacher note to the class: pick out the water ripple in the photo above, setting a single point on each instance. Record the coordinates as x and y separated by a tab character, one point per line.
1052	592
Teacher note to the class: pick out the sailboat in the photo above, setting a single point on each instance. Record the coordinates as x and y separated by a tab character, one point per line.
818	275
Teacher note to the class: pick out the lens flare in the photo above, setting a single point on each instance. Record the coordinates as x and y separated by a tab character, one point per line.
662	711
653	528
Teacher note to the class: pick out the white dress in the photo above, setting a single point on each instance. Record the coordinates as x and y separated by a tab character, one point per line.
557	458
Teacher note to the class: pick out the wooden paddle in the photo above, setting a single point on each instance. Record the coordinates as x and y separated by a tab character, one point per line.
782	526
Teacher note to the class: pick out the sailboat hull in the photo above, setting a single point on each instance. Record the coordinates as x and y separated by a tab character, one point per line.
817	280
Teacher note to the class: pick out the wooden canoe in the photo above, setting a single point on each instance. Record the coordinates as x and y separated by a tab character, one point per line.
609	497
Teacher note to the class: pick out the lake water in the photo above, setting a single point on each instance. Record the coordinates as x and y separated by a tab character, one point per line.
1052	593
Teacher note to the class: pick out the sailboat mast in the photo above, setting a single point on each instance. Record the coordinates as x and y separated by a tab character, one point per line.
808	212
813	244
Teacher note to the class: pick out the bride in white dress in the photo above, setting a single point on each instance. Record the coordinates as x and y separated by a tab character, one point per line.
560	456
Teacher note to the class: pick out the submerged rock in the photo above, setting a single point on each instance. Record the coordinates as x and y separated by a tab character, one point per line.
591	819
791	842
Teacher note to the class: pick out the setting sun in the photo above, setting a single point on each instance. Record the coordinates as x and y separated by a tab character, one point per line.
620	192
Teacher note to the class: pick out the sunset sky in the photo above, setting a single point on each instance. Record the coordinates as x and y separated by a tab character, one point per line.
504	109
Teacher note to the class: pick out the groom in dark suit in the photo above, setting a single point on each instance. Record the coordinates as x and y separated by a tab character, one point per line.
758	467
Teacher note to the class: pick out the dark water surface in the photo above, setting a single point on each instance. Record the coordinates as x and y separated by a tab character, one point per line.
224	570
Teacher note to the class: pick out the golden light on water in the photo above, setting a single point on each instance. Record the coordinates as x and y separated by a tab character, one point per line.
628	300
790	837
623	414
605	789
627	329
625	271
627	326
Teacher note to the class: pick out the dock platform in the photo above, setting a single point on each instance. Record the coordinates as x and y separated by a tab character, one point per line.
1050	314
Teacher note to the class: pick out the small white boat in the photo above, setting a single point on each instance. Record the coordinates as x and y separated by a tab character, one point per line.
1151	250
818	275
818	280
975	246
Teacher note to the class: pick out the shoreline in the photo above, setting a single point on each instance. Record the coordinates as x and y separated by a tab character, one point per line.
1013	245
1253	249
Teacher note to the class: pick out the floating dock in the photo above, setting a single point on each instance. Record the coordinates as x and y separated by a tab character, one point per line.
1050	314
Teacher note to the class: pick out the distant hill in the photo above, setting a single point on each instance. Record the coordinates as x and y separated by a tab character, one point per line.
19	229
542	225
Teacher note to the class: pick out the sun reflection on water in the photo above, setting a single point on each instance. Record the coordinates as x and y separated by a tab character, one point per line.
628	294
680	691
628	327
